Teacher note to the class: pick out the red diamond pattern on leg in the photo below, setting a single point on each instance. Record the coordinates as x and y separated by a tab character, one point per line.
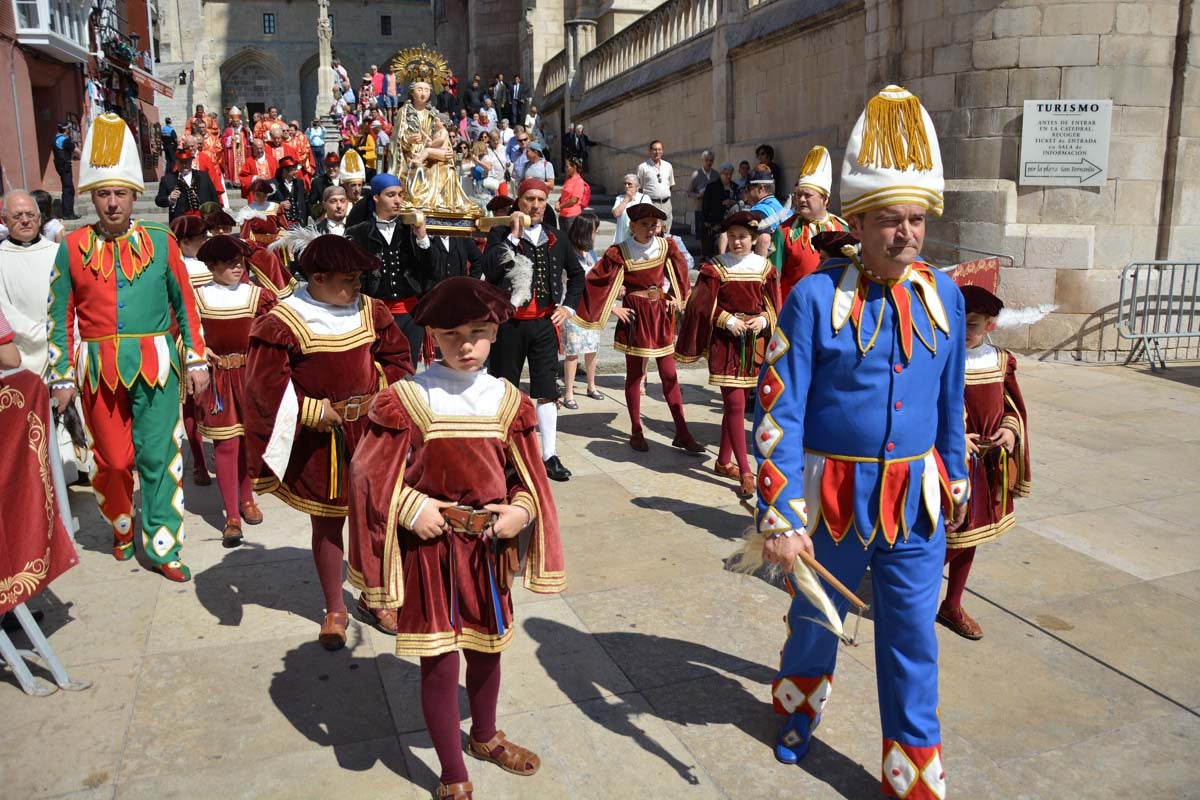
769	389
913	773
770	482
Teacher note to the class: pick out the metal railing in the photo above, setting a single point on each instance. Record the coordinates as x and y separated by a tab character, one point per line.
1159	308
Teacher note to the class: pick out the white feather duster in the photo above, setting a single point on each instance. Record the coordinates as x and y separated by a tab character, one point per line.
1012	317
803	579
519	270
294	240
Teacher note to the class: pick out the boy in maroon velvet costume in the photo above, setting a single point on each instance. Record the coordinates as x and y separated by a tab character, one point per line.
447	475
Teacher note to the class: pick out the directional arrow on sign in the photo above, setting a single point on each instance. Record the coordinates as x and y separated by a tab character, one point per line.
1082	169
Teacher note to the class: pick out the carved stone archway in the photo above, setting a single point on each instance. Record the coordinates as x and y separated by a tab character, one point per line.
251	76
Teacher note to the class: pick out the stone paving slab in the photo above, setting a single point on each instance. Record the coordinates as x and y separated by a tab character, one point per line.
650	674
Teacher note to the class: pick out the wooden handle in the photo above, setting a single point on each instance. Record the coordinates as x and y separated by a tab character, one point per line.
832	581
414	218
485	224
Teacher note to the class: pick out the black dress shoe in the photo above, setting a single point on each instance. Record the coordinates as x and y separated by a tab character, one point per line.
555	470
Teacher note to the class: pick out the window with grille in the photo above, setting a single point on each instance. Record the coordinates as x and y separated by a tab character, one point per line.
269	23
385	25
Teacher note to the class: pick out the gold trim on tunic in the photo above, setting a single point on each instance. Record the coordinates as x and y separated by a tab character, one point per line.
328	342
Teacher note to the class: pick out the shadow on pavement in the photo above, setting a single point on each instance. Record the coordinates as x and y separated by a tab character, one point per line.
724	702
336	700
720	522
287	582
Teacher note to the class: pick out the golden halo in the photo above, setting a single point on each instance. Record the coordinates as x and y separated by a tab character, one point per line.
421	64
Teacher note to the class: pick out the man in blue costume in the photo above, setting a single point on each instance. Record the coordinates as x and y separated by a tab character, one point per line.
859	434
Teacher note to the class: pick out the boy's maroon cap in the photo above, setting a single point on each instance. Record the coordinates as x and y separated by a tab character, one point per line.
333	253
223	248
188	227
833	241
981	301
220	219
457	301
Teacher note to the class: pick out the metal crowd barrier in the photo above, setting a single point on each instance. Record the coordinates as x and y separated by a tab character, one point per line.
1159	304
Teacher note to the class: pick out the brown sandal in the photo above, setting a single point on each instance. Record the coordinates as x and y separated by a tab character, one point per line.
510	758
455	791
961	623
333	630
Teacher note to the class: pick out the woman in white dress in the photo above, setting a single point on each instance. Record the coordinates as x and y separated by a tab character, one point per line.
579	341
631	197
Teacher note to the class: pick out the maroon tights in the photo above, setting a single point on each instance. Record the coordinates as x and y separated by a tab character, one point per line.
733	428
960	566
635	370
232	478
327	549
439	704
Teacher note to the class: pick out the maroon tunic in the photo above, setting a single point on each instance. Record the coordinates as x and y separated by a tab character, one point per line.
447	588
719	294
34	546
220	408
993	401
652	332
284	350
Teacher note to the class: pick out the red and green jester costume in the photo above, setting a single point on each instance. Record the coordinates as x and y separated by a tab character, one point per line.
124	293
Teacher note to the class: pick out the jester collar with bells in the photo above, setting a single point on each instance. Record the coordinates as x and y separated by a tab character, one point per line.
851	298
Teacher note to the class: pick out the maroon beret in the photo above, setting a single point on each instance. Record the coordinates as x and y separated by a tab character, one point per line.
532	185
981	301
261	185
832	242
220	219
743	219
261	225
501	204
188	227
223	248
457	301
333	253
644	210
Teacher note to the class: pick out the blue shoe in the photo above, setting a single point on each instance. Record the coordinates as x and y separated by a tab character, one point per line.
795	738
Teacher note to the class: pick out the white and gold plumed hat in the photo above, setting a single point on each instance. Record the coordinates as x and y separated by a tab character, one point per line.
353	168
110	157
817	171
892	157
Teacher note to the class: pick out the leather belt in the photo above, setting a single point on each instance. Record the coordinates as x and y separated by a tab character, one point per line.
228	361
354	407
653	293
468	520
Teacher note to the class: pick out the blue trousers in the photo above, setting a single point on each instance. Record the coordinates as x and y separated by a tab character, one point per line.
906	580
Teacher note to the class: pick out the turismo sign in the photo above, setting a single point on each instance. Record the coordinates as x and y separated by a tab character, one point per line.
1065	142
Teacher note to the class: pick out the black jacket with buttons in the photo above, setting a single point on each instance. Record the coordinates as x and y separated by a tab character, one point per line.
407	270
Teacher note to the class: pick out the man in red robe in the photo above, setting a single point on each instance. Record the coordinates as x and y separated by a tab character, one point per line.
236	145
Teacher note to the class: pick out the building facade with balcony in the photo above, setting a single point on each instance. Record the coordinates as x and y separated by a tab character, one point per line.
70	60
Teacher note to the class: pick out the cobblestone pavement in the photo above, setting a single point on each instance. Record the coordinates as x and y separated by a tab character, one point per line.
649	675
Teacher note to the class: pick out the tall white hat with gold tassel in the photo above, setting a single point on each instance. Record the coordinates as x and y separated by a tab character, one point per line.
817	171
110	157
352	168
893	157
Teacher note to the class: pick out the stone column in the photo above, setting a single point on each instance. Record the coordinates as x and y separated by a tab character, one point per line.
325	75
581	38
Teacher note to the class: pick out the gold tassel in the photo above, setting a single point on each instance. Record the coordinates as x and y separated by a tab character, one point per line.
894	135
108	136
812	162
353	162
